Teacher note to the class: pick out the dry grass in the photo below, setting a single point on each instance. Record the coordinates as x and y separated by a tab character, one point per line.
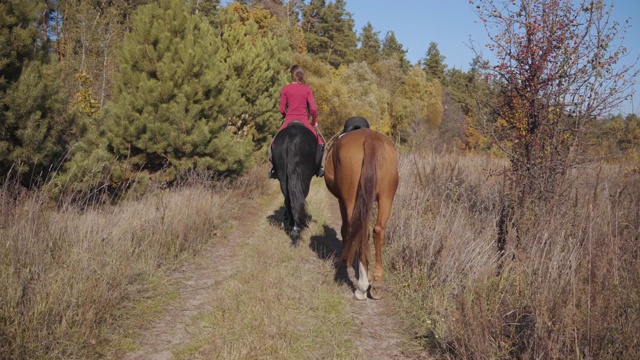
570	286
70	277
72	280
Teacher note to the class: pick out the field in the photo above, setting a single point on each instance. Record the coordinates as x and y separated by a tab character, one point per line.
78	281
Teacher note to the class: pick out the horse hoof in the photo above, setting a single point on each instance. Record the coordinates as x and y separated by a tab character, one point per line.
295	234
360	295
376	292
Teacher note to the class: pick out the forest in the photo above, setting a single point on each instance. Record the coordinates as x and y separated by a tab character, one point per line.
114	95
527	181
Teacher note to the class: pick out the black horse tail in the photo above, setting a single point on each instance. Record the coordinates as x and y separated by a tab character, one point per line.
365	200
296	195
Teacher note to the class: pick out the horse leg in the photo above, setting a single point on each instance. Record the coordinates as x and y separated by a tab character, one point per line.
384	211
346	210
344	229
363	280
288	214
296	229
295	235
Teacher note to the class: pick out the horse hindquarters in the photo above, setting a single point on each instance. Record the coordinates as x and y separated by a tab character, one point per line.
361	168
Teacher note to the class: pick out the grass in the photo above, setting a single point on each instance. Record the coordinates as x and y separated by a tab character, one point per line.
569	287
77	281
72	278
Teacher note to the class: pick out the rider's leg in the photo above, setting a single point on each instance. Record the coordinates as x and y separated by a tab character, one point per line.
319	154
272	172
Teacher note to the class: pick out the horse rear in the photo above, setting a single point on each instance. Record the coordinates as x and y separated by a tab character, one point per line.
294	157
361	170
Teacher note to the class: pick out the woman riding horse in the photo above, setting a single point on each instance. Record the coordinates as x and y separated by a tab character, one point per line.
296	102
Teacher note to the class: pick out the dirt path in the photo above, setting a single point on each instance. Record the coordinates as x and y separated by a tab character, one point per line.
196	282
378	333
382	335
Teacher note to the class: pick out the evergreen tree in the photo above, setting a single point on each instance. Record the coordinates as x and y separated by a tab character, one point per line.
31	107
433	63
312	19
20	38
168	111
329	32
206	8
392	49
257	64
370	46
34	114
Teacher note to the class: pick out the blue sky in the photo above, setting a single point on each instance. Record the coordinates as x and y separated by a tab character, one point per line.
453	25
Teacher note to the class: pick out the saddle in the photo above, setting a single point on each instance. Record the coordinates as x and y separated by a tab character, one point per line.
355	123
315	131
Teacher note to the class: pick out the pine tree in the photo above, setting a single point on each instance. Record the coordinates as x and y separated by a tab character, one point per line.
257	64
20	38
433	63
35	115
168	114
370	46
329	32
312	18
31	106
392	49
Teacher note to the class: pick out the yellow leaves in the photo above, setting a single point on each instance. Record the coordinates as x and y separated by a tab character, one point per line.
84	97
296	39
257	14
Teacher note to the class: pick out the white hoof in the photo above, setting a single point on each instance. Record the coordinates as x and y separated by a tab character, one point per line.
360	295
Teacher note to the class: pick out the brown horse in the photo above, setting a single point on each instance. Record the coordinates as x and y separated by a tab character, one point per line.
361	169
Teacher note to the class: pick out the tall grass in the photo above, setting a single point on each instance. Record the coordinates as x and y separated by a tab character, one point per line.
67	276
568	287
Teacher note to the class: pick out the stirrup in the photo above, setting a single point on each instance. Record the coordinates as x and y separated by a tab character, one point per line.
273	174
320	172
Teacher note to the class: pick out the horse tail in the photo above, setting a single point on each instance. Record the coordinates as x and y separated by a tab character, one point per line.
297	198
365	200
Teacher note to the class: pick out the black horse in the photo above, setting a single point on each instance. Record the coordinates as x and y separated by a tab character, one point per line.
294	158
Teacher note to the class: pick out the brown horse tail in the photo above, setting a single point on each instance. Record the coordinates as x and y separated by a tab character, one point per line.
365	200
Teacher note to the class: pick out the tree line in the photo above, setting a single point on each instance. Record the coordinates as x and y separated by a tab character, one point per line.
117	94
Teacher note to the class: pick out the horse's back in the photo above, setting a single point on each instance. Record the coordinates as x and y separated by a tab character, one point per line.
295	146
296	131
